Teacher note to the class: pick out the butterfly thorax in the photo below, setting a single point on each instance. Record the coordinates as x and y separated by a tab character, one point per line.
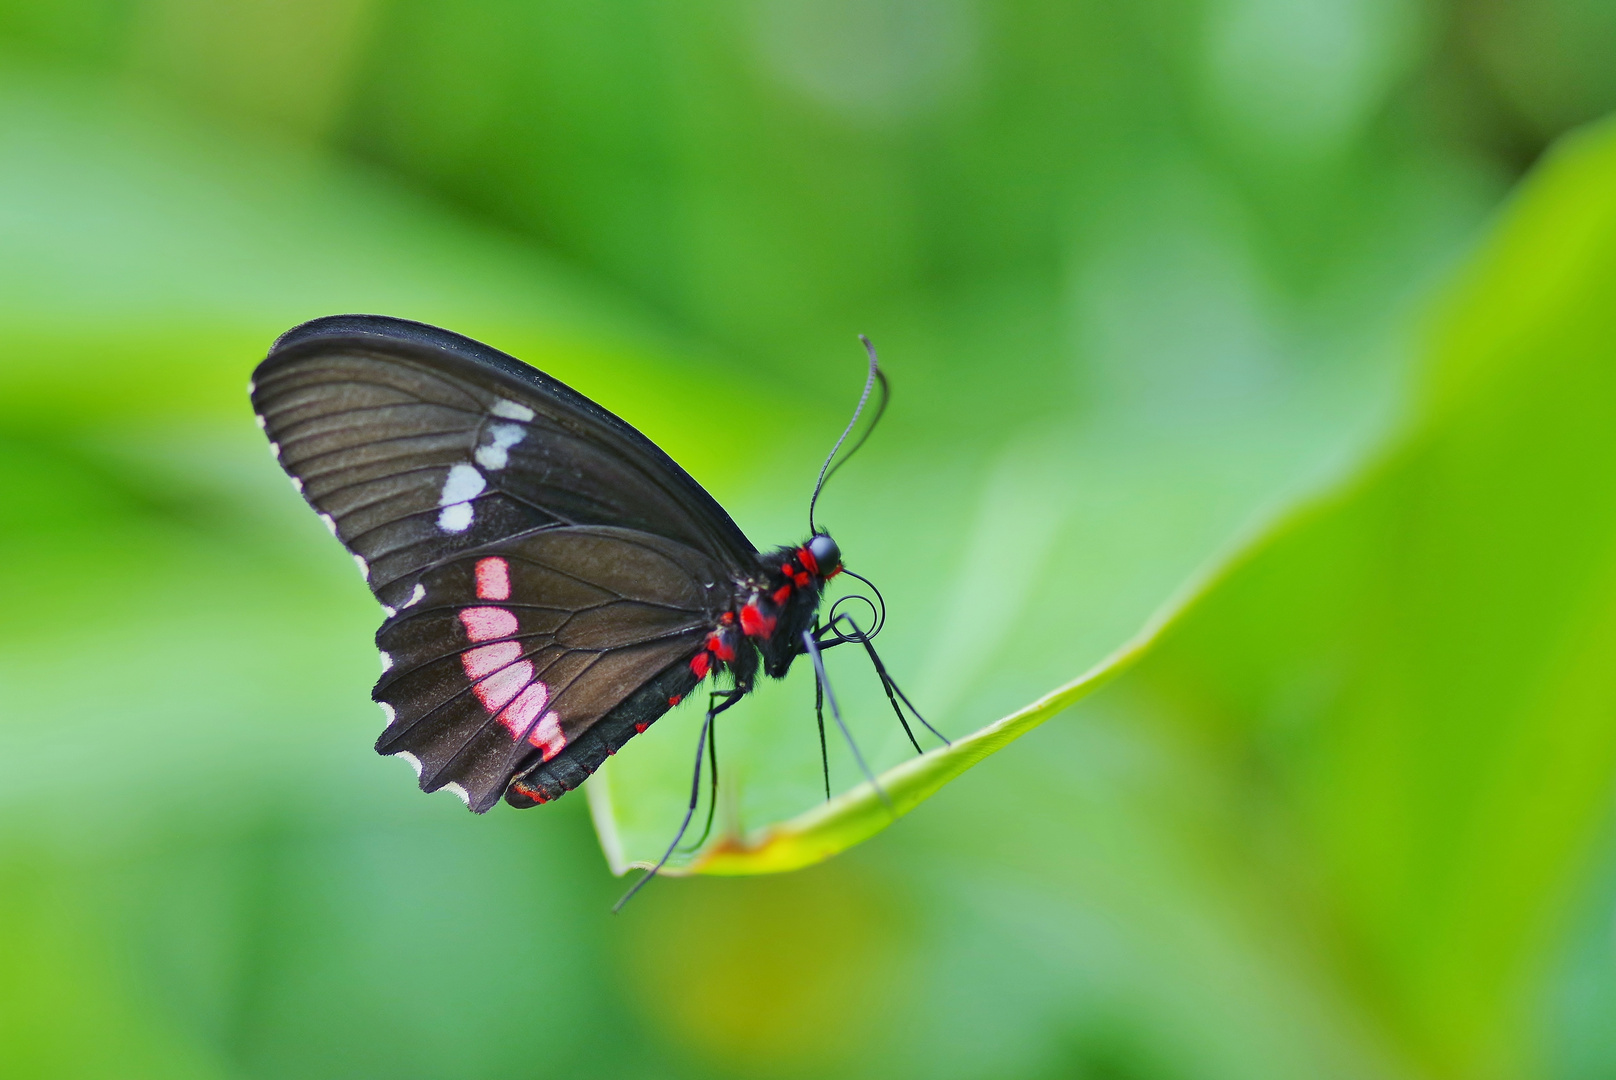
771	609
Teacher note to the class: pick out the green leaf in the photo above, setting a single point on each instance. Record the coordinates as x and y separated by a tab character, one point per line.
858	814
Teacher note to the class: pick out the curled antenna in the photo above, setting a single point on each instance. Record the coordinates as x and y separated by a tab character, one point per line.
878	611
827	470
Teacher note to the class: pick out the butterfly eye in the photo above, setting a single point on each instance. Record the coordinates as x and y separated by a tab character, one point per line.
826	555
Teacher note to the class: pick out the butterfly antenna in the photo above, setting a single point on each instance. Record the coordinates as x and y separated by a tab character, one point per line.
836	714
827	470
878	608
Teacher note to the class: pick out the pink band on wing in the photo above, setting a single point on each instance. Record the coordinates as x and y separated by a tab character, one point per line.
547	736
493	579
524	709
498	689
485	660
487	623
500	678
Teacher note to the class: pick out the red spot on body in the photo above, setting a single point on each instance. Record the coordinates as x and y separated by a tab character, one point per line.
788	570
718	644
837	569
699	664
639	729
727	618
754	623
493	579
674	700
782	594
802	581
807	559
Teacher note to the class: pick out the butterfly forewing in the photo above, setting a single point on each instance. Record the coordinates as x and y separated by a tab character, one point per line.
543	565
414	443
384	450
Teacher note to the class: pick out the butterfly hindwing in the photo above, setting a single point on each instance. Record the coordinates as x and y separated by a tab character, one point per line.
518	649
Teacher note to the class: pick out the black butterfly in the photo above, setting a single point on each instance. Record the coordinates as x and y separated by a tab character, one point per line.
553	582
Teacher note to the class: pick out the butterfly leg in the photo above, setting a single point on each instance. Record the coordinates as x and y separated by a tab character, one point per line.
712	774
812	647
854	633
819	715
887	686
891	686
729	697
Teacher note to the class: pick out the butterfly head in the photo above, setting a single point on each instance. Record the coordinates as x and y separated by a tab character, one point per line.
821	556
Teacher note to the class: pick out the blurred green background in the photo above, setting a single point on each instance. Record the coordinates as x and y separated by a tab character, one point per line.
1281	286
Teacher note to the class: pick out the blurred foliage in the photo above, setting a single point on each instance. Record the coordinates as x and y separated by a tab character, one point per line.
1413	679
1146	276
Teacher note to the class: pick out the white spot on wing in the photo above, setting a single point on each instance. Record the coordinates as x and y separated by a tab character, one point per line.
501	437
390	611
275	450
364	567
297	485
510	410
262	423
416	596
387	662
387	710
463	484
251	387
415	762
456	518
465	796
330	523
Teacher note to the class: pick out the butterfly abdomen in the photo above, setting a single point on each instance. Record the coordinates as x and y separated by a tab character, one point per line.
546	781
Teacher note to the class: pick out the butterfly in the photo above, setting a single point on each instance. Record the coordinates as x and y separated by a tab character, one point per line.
553	582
